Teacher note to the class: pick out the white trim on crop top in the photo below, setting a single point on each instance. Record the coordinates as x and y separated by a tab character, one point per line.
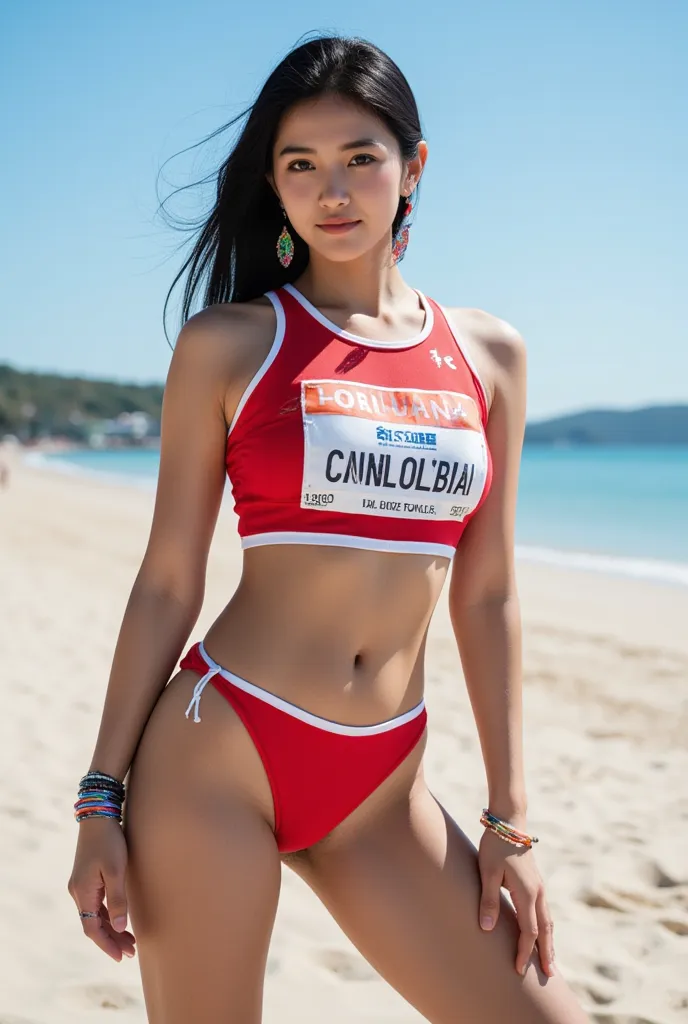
369	342
280	329
464	352
344	540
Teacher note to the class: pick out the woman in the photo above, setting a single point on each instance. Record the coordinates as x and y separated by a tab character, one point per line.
366	432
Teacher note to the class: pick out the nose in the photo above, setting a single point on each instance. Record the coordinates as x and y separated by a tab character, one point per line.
333	194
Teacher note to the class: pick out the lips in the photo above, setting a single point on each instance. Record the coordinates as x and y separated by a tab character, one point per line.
338	226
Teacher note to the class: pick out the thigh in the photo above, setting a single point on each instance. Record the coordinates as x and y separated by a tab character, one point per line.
405	888
203	875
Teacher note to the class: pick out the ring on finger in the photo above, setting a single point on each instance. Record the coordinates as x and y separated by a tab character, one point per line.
87	913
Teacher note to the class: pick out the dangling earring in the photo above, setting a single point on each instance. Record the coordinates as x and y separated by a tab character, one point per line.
402	236
285	244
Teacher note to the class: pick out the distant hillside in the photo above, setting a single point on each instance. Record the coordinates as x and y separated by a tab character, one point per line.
34	405
660	424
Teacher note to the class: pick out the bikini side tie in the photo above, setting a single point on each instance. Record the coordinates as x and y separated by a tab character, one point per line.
200	686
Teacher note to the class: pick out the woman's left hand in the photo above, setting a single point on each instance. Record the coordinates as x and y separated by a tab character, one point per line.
502	864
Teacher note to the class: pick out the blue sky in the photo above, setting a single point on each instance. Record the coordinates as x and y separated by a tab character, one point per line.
554	195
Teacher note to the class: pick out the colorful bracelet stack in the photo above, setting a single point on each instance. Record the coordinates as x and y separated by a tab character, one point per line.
100	796
506	831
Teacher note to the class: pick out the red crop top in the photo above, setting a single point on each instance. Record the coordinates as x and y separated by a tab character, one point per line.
345	441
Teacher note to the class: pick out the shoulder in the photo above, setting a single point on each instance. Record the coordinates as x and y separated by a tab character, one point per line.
496	346
224	345
228	334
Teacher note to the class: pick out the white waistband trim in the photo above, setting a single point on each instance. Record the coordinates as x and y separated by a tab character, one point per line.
292	709
342	540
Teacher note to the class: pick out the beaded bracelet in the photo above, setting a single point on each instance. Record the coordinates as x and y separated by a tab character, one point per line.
101	781
100	796
506	831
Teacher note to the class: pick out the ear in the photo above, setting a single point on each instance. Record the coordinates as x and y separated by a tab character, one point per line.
414	168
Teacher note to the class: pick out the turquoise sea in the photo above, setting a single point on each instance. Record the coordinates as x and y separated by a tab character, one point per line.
619	509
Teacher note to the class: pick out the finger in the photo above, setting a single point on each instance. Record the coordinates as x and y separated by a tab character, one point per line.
527	921
94	929
489	900
125	940
88	892
116	899
545	934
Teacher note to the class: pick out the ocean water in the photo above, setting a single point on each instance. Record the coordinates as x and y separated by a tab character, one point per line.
615	509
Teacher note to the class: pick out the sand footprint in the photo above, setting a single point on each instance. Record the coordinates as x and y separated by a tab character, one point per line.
599	989
99	997
605	901
677	925
622	1019
667	867
609	971
639	899
599	993
347	966
614	1018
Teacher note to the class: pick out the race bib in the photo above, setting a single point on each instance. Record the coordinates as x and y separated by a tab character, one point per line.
391	452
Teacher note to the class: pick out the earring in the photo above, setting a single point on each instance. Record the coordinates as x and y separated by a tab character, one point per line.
402	236
285	244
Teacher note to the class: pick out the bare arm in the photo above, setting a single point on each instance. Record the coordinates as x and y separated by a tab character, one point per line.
216	354
168	591
487	621
483	597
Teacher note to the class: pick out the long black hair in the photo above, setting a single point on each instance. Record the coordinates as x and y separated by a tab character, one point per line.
235	250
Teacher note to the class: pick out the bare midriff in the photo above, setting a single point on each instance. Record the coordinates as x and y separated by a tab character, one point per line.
339	632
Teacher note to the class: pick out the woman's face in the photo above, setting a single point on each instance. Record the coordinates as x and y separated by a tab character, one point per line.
336	162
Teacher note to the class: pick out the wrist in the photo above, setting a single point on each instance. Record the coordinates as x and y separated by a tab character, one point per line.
109	767
511	808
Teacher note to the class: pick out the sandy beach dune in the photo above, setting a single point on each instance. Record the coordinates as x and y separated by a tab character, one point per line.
606	712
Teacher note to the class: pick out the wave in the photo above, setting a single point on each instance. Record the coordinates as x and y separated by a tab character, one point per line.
57	464
649	569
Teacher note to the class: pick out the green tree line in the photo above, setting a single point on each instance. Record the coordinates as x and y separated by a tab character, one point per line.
34	405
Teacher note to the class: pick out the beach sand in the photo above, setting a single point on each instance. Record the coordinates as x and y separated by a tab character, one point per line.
606	722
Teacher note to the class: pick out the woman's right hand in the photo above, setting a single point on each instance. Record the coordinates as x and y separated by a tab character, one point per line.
97	885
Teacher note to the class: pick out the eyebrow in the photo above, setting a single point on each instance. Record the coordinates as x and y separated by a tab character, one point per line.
357	144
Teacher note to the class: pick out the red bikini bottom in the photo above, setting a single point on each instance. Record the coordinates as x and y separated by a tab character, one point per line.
319	771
